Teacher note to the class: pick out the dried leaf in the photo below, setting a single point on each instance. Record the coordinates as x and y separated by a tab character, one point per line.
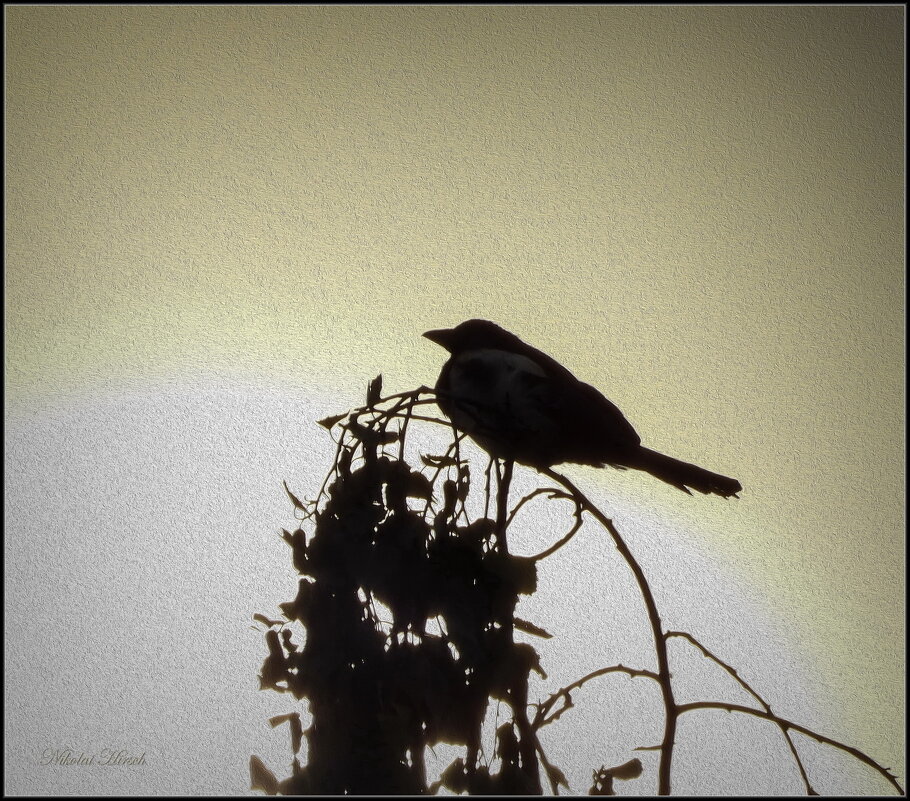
293	718
530	628
419	486
602	782
556	776
603	778
261	778
294	499
299	535
628	770
286	638
374	391
328	422
438	461
370	437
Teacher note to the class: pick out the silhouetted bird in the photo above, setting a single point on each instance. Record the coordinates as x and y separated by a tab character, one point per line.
518	403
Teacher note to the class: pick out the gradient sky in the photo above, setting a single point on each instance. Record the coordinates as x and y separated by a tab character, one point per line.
218	218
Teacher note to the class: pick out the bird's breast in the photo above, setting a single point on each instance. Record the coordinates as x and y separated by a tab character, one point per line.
493	395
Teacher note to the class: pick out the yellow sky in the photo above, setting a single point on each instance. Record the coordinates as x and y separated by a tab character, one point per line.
699	210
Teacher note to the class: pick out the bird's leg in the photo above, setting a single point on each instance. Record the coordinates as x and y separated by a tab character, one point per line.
488	484
504	479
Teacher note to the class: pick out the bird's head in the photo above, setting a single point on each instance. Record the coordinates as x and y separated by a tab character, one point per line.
473	335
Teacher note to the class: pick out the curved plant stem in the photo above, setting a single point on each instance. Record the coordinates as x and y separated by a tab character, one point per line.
744	684
660	644
562	540
548	491
544	708
789	724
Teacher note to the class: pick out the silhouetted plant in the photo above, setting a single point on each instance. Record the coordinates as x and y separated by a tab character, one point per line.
384	536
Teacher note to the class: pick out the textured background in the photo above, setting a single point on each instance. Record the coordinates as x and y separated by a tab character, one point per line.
221	222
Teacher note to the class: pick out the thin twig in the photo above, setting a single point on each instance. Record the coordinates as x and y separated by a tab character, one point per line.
745	685
660	645
789	724
411	393
488	484
559	543
439	468
543	708
553	493
459	473
420	417
332	473
504	479
550	770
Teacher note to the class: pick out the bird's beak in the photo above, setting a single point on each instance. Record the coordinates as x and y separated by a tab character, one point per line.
441	336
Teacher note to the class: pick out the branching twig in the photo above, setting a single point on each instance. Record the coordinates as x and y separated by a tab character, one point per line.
553	494
544	708
789	724
735	674
660	645
412	393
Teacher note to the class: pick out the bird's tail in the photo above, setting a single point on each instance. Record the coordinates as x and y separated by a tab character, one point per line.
681	475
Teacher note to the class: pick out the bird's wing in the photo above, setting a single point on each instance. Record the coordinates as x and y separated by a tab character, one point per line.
604	419
522	409
588	426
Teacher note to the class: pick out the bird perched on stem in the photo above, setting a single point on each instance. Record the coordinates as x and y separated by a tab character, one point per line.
520	404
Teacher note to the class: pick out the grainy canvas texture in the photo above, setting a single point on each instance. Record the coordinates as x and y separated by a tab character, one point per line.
222	222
